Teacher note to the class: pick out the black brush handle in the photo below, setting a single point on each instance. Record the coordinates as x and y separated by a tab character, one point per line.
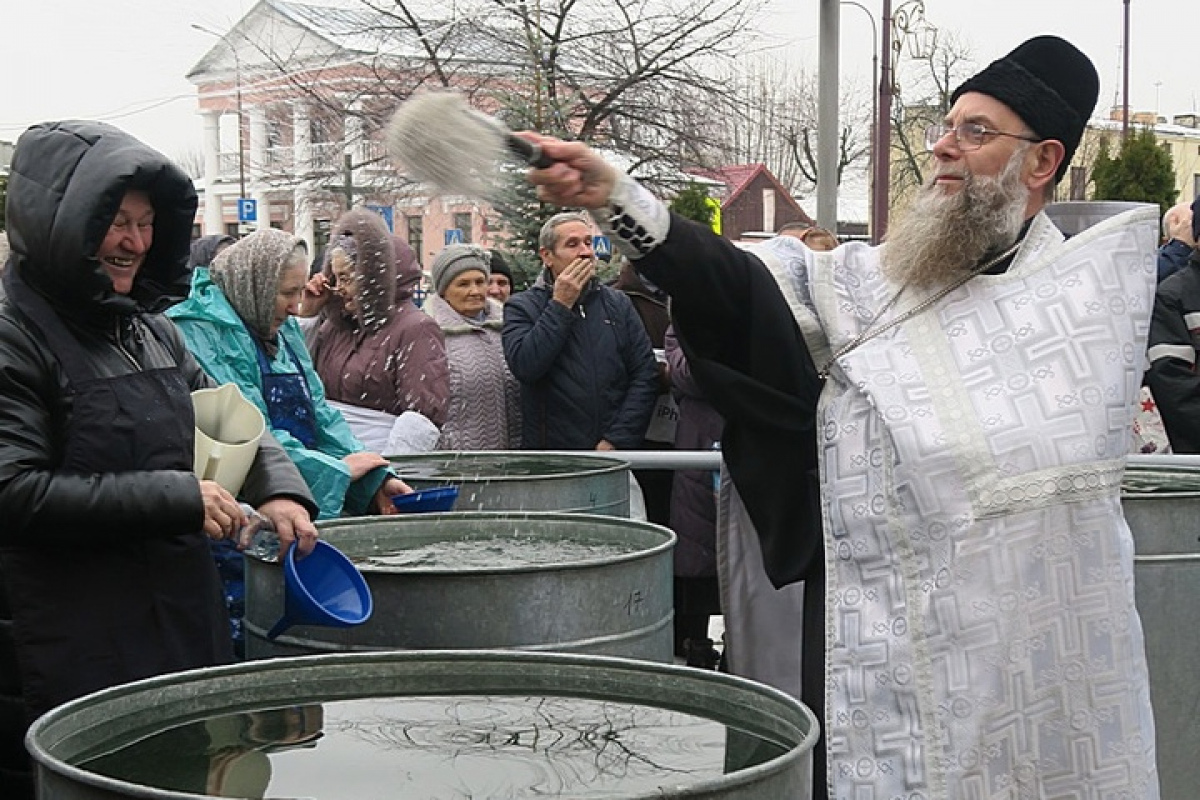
527	151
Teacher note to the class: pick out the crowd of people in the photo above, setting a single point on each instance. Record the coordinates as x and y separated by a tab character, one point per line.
914	532
117	561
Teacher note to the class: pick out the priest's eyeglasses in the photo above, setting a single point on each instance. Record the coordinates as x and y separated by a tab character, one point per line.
969	135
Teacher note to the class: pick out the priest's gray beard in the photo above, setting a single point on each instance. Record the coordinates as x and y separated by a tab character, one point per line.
943	236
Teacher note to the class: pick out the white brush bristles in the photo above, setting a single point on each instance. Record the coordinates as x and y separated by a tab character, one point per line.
437	139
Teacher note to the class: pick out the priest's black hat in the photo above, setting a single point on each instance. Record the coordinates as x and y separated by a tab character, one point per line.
1049	83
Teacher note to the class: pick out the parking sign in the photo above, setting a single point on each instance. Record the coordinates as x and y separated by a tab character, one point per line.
247	209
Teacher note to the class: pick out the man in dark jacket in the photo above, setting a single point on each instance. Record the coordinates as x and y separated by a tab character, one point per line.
587	372
1174	338
1177	228
103	553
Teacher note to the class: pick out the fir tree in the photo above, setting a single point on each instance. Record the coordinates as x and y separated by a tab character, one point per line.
1141	172
692	203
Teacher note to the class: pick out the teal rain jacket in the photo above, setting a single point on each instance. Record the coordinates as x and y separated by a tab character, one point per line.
226	350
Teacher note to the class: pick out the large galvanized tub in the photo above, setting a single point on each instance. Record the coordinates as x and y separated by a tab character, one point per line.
1166	536
478	580
501	480
1075	216
279	728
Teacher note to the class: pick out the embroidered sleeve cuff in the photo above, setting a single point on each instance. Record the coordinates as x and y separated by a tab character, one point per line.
636	220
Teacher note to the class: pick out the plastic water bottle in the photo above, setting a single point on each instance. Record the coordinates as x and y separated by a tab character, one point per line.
257	537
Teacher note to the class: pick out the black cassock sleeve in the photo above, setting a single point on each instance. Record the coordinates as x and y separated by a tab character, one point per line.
747	354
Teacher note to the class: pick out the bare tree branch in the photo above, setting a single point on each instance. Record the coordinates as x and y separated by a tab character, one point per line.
922	101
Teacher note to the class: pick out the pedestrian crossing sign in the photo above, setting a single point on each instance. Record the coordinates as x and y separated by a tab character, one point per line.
602	247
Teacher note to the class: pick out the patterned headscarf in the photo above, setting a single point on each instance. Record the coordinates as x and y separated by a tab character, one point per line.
249	271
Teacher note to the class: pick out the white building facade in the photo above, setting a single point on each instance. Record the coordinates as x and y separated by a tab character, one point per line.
293	99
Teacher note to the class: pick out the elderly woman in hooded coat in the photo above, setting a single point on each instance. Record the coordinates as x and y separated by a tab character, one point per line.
382	360
105	574
485	398
238	322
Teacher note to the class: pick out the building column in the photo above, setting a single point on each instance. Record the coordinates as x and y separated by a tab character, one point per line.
258	157
302	149
302	171
354	144
302	209
214	222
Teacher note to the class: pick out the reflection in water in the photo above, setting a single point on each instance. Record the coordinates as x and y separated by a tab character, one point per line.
225	756
496	552
440	747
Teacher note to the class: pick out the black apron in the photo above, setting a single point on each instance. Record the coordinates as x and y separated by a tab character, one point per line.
86	618
287	397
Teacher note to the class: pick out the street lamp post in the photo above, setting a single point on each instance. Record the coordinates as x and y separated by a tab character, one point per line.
874	139
1125	80
241	134
883	131
897	26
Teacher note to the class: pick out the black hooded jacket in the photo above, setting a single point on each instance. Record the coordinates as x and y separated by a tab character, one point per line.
106	575
1174	349
67	182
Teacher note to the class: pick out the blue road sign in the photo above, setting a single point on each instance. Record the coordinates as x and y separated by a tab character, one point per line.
454	236
387	214
602	247
247	210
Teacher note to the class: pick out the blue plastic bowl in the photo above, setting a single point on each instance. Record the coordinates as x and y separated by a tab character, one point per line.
441	498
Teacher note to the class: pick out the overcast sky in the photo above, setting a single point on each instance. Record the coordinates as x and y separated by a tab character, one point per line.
124	61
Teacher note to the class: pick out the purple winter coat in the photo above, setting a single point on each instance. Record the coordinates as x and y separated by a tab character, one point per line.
389	356
693	506
485	398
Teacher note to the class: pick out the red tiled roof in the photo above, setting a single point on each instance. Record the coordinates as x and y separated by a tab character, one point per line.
737	177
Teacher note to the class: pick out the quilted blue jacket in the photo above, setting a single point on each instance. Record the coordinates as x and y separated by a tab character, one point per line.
587	373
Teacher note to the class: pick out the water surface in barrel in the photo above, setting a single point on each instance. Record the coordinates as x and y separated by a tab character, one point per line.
495	552
475	465
438	747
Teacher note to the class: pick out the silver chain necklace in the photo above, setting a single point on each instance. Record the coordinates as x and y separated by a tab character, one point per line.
871	332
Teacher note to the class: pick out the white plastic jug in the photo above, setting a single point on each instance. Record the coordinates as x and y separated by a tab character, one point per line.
228	427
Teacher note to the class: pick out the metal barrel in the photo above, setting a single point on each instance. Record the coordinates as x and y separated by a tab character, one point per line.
63	741
1166	536
499	480
1075	216
617	602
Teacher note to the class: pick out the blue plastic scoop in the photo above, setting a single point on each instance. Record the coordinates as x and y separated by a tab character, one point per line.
323	588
